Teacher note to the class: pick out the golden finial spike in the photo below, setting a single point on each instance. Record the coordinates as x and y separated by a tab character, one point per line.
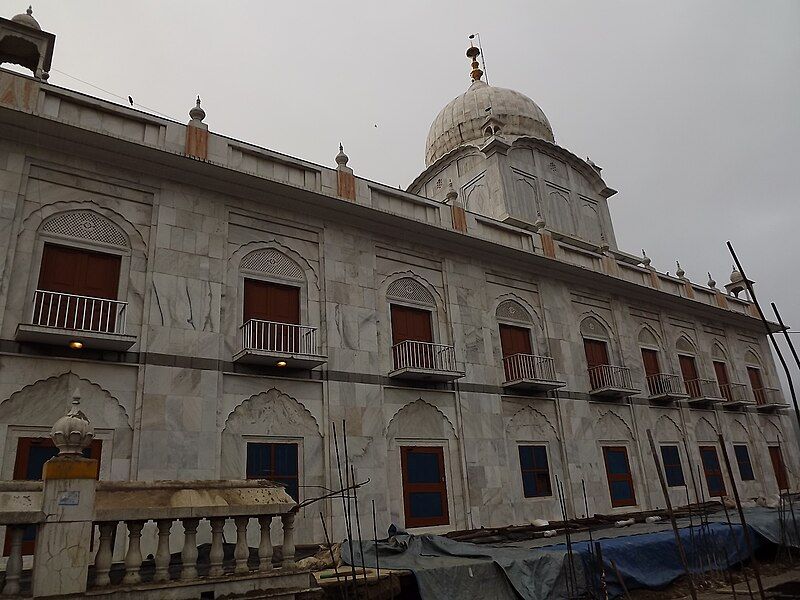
473	53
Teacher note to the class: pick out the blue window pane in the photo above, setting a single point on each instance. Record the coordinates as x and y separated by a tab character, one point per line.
535	484
674	475
540	457
621	490
37	457
710	459
423	467
286	459
258	461
669	454
526	457
715	484
425	504
617	462
743	459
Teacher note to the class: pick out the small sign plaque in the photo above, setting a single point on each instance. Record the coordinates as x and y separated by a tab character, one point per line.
71	498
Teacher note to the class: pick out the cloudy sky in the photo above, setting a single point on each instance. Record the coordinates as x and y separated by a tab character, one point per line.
691	107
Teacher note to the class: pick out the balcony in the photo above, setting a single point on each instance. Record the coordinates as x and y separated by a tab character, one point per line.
76	321
611	382
703	392
735	395
769	399
665	388
528	372
424	361
279	345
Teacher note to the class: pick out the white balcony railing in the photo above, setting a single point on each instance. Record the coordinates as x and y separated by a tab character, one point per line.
529	367
610	377
424	356
79	313
665	384
285	338
699	389
733	392
768	397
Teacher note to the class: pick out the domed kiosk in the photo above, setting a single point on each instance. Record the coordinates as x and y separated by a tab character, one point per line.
498	149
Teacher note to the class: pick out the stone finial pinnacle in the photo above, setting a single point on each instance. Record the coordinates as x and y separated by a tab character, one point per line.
197	113
711	283
539	223
29	11
680	273
73	432
645	262
473	53
342	158
452	194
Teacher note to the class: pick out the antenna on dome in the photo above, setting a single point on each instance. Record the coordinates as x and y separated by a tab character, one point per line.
483	56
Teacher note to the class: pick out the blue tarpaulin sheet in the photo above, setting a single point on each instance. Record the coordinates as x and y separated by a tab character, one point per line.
446	569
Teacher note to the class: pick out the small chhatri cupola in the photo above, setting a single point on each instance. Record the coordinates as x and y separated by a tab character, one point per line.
24	43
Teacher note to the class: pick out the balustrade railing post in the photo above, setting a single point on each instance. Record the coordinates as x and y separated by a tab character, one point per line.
162	551
288	540
265	544
14	564
102	560
189	552
216	556
241	551
133	557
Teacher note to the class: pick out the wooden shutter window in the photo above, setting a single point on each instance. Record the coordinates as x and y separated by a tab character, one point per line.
514	340
271	302
721	371
412	324
618	472
276	462
596	355
757	385
689	374
673	470
651	367
776	457
424	486
713	471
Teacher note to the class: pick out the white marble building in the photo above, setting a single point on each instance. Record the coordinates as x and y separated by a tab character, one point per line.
240	302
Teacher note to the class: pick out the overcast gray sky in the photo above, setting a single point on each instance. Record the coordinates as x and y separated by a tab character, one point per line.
691	107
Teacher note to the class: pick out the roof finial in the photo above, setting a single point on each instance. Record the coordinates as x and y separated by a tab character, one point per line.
197	113
341	158
680	272
473	53
711	283
645	259
30	10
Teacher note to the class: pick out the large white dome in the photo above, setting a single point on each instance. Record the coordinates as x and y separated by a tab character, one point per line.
461	120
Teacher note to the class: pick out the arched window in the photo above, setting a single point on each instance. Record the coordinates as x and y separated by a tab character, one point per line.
82	277
688	363
755	377
649	346
412	307
595	346
720	361
275	325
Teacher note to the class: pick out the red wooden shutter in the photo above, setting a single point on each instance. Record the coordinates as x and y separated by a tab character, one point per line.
778	467
723	382
271	302
757	384
713	471
515	340
596	355
689	374
618	473
410	324
651	367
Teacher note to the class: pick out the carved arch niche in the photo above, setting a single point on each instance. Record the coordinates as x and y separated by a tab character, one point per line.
32	411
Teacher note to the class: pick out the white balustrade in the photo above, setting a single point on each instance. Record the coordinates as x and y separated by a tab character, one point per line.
189	552
702	388
733	392
79	313
664	384
14	564
530	367
133	557
241	552
286	338
610	376
162	551
765	396
424	355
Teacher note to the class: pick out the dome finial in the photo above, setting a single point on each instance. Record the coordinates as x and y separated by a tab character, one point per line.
680	272
645	262
341	158
473	53
711	283
197	113
30	10
73	432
